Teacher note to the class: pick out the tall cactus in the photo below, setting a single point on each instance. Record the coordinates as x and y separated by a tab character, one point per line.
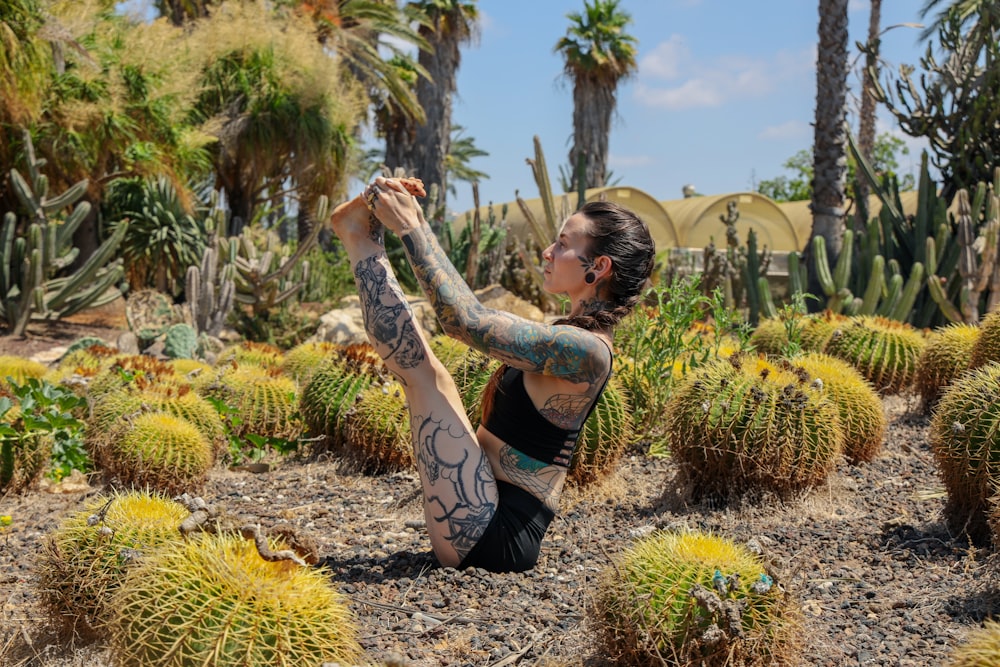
977	261
209	290
33	282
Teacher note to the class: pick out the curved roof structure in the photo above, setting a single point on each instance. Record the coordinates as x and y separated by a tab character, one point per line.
661	227
698	221
800	215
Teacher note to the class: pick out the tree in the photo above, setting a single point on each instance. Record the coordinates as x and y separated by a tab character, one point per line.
598	55
830	143
421	149
462	151
866	117
798	186
954	106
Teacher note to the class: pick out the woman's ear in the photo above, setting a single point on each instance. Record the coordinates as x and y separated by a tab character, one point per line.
602	266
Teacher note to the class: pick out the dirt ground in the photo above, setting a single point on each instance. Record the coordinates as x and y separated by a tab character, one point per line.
866	557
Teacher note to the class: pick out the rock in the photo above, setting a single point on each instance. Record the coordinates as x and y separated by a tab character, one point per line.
127	343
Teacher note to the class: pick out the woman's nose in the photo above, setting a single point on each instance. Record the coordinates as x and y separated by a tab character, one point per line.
547	253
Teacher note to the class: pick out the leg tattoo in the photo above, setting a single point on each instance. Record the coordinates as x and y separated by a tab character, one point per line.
459	490
388	321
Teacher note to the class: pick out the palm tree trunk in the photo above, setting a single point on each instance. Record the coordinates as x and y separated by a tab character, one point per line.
593	105
866	124
830	143
432	139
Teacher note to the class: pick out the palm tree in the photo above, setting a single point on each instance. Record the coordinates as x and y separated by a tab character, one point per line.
463	149
25	66
422	149
830	136
599	54
866	120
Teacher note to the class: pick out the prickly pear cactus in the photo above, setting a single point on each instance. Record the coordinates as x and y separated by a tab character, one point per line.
884	350
18	369
180	342
980	648
861	412
377	430
945	356
302	360
745	424
215	602
694	599
966	445
157	451
266	401
85	559
987	347
604	438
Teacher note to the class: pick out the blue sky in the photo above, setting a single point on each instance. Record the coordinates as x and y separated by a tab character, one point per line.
724	94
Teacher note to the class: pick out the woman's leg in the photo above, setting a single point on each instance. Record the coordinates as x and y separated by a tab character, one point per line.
460	491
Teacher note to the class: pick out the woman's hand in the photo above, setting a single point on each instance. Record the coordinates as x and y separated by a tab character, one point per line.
391	202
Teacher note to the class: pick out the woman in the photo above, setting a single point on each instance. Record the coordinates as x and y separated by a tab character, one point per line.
490	495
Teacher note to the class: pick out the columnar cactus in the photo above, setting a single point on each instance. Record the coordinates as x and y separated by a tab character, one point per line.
694	599
745	424
33	264
215	602
945	356
966	445
86	557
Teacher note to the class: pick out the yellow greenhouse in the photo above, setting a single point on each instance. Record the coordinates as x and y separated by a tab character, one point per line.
699	220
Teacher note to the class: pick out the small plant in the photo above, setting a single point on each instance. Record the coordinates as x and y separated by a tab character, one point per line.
39	429
694	599
215	601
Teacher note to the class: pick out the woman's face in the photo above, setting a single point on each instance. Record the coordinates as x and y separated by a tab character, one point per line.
567	260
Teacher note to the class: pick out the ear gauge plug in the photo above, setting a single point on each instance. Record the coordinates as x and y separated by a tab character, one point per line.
589	278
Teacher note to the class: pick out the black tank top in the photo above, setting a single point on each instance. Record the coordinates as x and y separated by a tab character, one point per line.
515	420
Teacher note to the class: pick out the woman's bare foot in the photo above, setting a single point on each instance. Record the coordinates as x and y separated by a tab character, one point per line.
352	221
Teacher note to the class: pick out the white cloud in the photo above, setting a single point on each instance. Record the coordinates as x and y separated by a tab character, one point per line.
711	84
793	129
667	60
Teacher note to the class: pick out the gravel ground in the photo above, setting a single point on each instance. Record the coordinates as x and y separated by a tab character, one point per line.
867	556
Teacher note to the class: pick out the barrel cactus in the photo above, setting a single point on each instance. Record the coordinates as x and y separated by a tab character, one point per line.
85	559
945	356
470	369
691	598
250	352
215	602
19	369
770	337
334	388
966	445
178	400
987	347
817	330
606	435
23	455
136	370
377	430
745	424
300	362
980	648
861	412
159	451
266	401
884	350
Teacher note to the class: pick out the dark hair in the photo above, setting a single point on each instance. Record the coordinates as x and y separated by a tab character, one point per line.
621	235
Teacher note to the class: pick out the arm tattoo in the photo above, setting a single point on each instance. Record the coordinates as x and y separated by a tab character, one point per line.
561	350
462	504
386	316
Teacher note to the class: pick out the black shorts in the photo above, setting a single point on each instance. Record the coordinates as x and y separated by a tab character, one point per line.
513	538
